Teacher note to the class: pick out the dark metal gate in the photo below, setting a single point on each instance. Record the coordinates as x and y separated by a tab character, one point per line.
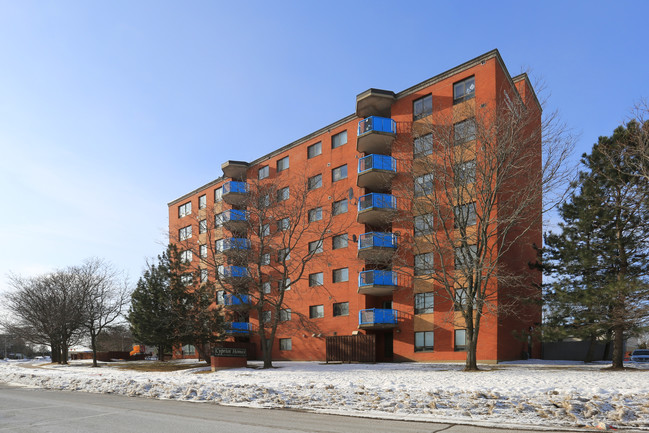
351	348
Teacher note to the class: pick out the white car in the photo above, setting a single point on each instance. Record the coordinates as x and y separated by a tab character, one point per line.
640	355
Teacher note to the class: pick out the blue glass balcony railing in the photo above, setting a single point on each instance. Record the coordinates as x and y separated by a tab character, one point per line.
377	316
235	187
235	215
233	271
233	300
377	201
377	162
239	328
377	124
377	240
377	278
232	244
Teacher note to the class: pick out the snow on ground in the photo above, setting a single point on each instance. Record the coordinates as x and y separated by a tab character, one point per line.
533	394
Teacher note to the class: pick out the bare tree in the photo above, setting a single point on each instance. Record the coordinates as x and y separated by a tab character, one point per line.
483	176
106	295
266	234
48	310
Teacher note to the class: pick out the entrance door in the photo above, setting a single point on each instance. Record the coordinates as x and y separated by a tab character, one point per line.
388	346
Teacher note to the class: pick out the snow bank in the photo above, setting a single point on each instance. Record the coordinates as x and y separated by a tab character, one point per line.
528	394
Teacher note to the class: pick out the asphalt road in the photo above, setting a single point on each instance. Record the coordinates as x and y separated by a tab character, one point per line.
36	410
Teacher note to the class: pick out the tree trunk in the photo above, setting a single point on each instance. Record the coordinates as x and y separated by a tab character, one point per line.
55	354
161	353
590	353
64	354
204	352
607	346
618	347
471	363
93	345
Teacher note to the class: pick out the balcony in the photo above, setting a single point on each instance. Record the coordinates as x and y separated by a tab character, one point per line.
236	276
377	247
376	134
233	246
239	328
376	209
377	282
376	172
235	193
234	169
377	318
235	220
236	301
374	102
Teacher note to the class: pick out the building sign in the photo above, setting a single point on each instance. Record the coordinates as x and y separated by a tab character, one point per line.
230	352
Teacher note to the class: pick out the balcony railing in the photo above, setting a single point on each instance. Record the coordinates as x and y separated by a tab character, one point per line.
377	282
377	124
233	300
235	215
376	208
233	272
235	187
377	240
239	328
377	318
377	162
230	245
376	134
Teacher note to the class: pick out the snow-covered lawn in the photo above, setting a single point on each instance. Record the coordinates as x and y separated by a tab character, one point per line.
539	394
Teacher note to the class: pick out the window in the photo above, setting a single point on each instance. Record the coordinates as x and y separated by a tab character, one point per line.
315	182
423	145
424	341
202	202
265	259
186	279
186	256
464	257
341	309
189	349
264	230
460	339
218	219
266	287
220	297
218	194
285	315
282	164
314	150
339	173
464	173
266	316
424	303
339	207
316	311
465	215
461	299
184	209
264	201
219	245
283	254
185	233
424	185
339	241
316	279
464	90
283	194
315	214
202	251
204	275
424	264
202	227
285	344
339	139
263	172
315	247
423	224
287	284
340	275
422	107
284	224
464	131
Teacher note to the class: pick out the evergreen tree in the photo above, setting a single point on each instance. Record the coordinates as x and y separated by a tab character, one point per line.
600	258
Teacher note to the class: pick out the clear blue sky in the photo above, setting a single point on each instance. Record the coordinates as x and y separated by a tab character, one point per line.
109	110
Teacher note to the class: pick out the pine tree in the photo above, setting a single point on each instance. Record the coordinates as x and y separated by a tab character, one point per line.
600	259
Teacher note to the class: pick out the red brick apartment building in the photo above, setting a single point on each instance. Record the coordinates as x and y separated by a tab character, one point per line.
368	280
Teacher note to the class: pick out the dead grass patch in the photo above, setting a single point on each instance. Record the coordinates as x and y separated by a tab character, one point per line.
159	366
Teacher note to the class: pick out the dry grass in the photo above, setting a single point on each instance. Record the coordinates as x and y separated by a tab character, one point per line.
158	366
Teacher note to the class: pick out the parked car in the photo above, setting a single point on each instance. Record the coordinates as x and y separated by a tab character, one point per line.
640	355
